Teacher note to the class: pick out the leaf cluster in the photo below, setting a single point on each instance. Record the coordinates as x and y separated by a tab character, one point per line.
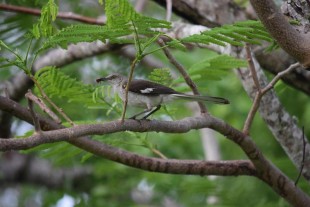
237	34
56	83
122	22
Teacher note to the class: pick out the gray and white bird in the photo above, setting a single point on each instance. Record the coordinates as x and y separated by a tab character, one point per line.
150	95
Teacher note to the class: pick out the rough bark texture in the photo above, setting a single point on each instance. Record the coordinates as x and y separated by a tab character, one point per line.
264	169
295	43
210	13
283	126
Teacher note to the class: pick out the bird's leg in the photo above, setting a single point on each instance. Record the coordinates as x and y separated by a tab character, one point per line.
152	112
143	112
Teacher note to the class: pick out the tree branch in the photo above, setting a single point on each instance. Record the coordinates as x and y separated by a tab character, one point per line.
260	92
115	154
265	170
42	106
277	61
279	121
62	15
293	42
183	72
36	122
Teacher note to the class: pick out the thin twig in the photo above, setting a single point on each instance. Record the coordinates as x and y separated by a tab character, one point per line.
132	68
35	119
62	15
59	110
43	106
252	112
279	76
252	66
183	72
303	155
261	92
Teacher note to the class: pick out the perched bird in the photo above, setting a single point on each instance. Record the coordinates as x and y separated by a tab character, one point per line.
150	95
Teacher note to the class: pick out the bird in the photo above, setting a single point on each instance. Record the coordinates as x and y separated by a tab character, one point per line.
150	95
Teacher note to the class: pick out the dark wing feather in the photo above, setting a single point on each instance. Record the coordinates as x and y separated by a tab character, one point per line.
149	88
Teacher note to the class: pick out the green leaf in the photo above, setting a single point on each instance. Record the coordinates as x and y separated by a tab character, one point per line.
205	64
216	67
48	15
56	83
236	34
161	75
80	33
36	31
177	44
227	62
122	22
120	14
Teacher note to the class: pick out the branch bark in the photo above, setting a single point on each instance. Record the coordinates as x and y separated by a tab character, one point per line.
295	43
59	133
264	169
282	125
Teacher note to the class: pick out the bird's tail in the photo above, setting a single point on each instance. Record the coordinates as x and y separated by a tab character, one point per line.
217	100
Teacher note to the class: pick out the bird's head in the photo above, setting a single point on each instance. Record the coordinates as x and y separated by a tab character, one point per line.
113	79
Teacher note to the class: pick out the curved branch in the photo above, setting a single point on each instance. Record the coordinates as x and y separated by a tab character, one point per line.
266	171
60	133
182	70
280	122
277	61
171	166
292	41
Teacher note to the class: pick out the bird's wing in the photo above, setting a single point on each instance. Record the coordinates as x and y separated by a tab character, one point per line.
149	88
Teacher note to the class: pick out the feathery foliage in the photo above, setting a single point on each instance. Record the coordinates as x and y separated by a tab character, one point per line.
122	21
48	15
79	33
56	83
215	68
250	31
120	13
161	75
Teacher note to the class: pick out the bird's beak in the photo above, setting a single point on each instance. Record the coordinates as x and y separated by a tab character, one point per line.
98	80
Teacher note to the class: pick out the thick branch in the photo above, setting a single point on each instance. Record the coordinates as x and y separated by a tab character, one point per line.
281	124
273	62
171	166
265	170
293	42
115	154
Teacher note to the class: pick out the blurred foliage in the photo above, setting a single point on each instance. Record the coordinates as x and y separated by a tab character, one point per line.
113	184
